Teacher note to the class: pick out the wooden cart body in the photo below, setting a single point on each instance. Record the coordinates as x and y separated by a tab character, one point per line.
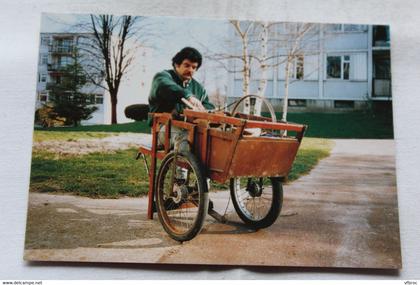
223	147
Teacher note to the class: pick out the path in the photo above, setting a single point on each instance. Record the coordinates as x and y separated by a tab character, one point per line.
343	214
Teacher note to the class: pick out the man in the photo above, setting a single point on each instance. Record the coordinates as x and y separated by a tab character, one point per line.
170	86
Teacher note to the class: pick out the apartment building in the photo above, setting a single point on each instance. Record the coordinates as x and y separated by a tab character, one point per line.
347	67
55	53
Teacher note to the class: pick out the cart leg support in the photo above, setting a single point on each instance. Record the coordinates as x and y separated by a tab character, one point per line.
215	215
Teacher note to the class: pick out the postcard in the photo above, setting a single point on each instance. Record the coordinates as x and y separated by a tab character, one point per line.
220	142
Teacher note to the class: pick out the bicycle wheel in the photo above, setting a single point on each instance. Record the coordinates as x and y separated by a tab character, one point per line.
181	208
257	201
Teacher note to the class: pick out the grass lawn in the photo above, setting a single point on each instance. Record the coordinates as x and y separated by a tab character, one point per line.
358	125
94	175
363	125
135	127
118	174
311	151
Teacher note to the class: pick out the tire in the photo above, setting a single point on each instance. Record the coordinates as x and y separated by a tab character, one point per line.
182	209
254	194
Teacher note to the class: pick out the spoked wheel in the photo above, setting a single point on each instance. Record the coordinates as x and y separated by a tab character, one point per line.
251	99
257	201
181	208
248	105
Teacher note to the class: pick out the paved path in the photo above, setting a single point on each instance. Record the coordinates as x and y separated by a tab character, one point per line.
343	214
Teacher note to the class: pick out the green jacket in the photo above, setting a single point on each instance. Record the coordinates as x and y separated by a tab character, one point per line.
167	91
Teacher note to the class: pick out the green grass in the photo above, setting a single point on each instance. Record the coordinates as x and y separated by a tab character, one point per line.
135	127
112	175
361	125
40	136
94	175
311	151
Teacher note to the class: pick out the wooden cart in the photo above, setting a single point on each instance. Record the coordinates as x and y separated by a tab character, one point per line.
221	149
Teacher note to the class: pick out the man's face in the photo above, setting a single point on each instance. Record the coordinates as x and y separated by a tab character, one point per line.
186	69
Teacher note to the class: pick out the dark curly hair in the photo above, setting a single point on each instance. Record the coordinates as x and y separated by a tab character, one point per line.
187	53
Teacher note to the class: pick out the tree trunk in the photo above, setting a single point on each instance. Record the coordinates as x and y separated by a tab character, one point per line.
246	74
263	67
114	102
286	89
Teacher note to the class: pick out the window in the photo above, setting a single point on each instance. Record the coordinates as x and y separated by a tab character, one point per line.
296	69
347	66
43	78
334	27
343	104
45	40
381	36
334	67
43	97
44	59
297	103
339	28
63	45
299	67
355	28
99	99
64	61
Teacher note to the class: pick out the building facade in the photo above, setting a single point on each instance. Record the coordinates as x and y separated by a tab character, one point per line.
55	54
346	68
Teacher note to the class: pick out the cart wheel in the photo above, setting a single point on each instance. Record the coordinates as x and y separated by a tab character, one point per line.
270	108
257	201
182	208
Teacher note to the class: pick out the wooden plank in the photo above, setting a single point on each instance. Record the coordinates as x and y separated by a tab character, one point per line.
274	126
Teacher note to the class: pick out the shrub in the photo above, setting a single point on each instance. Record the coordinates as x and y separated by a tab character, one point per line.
137	112
46	117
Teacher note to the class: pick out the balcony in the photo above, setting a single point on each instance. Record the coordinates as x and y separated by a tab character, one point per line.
56	67
381	89
62	50
381	38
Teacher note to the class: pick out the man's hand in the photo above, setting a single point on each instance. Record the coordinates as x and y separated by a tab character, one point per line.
197	106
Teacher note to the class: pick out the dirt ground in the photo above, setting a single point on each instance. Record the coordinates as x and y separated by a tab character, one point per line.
84	146
343	214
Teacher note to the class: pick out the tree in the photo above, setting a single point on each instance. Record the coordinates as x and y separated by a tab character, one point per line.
253	39
69	102
110	53
295	41
260	46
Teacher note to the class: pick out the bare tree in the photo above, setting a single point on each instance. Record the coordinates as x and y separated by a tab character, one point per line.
258	47
231	58
264	35
296	41
253	39
110	46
